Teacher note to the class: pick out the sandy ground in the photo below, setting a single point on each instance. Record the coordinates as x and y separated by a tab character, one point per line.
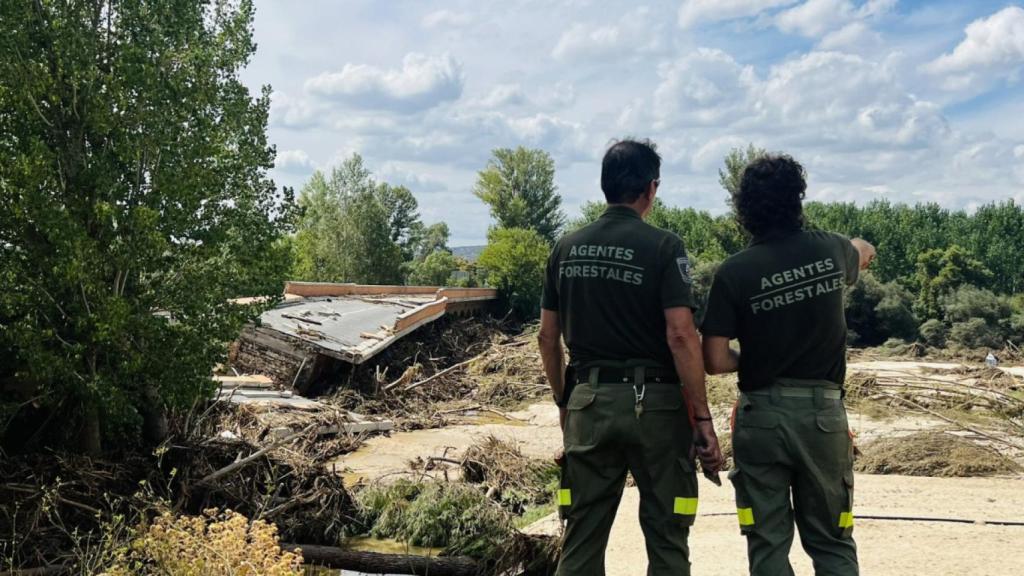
887	548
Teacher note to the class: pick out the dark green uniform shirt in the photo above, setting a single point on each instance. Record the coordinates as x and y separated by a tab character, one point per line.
782	298
611	282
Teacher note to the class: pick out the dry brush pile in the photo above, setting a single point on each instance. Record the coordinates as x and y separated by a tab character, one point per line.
465	365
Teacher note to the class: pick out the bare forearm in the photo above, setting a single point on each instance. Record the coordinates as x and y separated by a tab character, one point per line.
719	357
554	366
689	365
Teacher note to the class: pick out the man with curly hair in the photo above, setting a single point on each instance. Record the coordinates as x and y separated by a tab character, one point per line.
782	298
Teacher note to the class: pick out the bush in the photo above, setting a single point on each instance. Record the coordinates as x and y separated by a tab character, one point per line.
975	333
972	302
876	312
515	260
934	333
215	543
434	270
454	516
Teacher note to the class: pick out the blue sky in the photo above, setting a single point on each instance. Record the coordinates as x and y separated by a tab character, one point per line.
907	100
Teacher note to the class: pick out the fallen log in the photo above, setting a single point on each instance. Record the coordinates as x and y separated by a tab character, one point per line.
376	563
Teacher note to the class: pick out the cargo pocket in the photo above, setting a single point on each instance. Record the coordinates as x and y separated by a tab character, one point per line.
846	516
684	504
744	507
835	440
579	422
755	440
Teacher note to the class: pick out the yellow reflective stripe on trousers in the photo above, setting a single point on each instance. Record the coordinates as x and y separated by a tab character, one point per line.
565	497
746	516
685	506
846	520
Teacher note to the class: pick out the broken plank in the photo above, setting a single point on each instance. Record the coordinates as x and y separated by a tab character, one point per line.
253	381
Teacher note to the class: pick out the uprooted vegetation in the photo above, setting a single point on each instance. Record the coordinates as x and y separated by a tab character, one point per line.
935	454
457	367
473	516
90	515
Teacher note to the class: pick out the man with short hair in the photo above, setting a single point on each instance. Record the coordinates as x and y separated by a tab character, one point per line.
782	298
619	291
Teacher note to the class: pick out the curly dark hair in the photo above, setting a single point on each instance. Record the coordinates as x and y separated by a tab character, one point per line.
770	196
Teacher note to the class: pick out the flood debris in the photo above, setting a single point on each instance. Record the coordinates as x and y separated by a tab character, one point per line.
320	325
936	454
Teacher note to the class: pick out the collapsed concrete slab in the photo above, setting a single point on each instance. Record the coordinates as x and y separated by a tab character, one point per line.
321	323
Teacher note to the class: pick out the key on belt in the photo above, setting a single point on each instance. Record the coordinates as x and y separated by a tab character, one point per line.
639	394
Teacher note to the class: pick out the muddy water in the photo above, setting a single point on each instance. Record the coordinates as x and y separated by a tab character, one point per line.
368	544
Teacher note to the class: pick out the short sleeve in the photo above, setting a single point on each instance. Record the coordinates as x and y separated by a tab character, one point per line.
676	283
549	295
851	260
720	315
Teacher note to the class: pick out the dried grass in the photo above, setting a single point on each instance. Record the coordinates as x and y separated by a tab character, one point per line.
935	454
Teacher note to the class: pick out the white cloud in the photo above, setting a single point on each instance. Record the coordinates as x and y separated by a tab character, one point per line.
422	82
840	22
814	17
446	19
993	48
852	37
294	113
704	87
635	31
1018	152
876	8
293	161
693	12
503	95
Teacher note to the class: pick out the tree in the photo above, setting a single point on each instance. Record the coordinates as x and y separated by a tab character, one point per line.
939	272
515	260
434	270
432	239
519	186
403	218
135	204
349	227
736	162
878	311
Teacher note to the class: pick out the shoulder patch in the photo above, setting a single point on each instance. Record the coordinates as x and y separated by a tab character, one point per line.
684	268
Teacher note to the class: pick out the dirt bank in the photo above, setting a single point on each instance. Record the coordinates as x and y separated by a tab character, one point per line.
887	548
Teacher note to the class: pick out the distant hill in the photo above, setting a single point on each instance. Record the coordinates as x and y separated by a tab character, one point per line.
470	253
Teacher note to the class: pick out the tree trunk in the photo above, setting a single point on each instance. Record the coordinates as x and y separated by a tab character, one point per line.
374	563
89	439
154	416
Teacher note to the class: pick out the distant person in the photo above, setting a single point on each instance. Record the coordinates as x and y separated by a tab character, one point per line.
620	292
782	298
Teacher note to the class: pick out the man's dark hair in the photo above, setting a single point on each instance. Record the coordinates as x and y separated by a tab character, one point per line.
628	168
770	196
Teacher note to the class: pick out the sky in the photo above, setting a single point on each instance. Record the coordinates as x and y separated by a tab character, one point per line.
909	100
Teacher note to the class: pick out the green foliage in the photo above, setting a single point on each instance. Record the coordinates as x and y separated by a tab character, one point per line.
354	229
515	261
135	204
434	270
939	272
707	237
972	302
975	333
519	186
735	163
454	516
431	239
877	312
934	332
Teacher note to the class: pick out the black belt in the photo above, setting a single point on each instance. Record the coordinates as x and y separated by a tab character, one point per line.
607	375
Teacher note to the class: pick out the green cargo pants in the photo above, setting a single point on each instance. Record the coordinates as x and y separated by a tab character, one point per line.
604	437
794	461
